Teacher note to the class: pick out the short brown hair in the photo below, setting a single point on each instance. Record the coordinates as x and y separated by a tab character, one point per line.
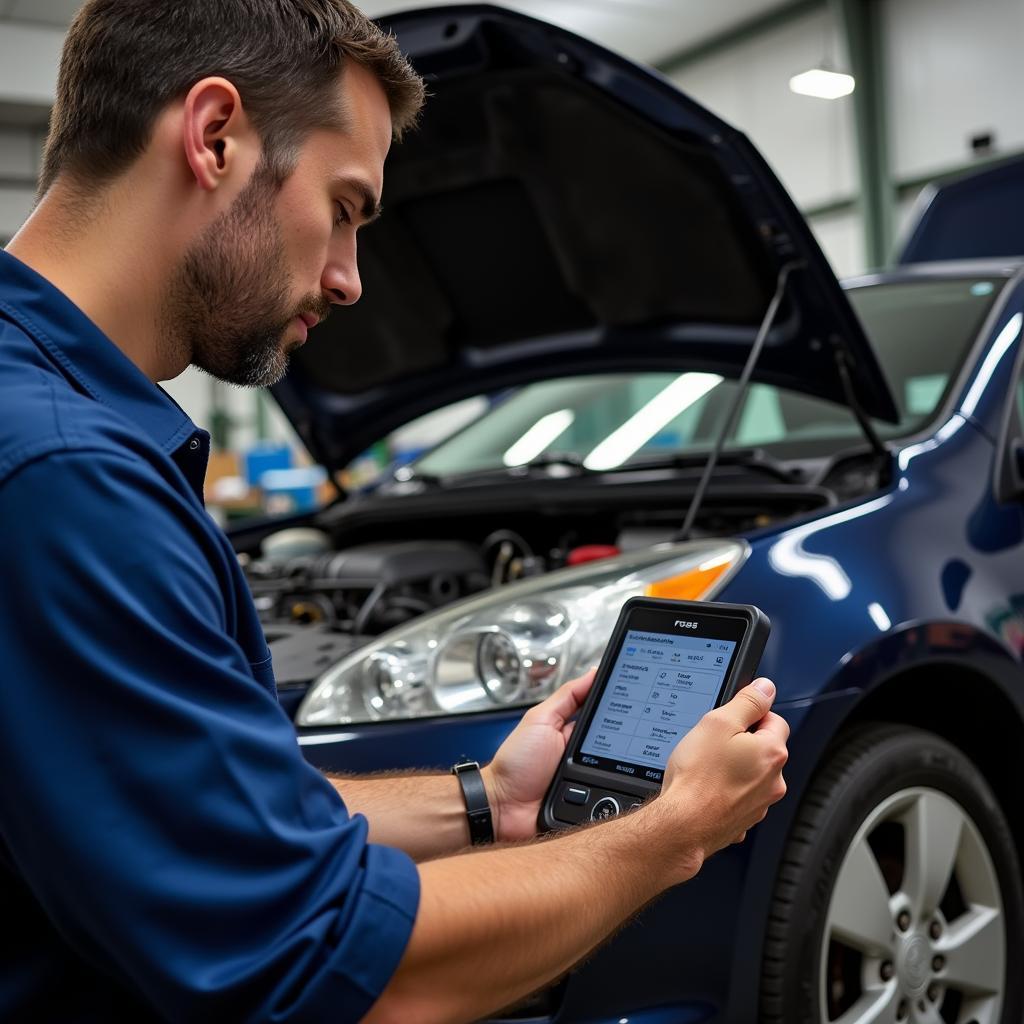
124	60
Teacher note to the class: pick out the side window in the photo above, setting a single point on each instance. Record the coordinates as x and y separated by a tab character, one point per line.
1009	481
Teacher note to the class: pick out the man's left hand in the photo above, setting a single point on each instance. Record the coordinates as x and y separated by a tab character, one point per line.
521	772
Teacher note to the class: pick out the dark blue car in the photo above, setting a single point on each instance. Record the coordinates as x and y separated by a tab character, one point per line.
568	228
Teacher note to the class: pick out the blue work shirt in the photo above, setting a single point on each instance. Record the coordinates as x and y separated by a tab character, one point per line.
165	851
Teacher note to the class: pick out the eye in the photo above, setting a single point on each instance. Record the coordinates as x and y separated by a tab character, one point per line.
342	216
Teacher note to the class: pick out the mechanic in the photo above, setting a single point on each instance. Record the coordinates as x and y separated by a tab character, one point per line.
166	852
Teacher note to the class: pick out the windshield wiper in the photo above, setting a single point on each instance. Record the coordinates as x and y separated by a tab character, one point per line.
756	459
570	460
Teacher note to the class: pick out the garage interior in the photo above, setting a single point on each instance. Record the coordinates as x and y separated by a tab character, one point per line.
710	410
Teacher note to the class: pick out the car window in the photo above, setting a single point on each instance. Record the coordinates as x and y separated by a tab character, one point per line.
921	332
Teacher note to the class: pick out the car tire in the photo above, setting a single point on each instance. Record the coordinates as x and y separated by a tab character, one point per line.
863	925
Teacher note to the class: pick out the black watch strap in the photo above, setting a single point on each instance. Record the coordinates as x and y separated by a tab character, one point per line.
478	809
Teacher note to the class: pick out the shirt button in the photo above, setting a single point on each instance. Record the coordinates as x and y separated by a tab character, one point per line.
194	444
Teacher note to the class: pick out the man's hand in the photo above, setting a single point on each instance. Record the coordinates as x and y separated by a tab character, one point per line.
722	778
495	924
525	763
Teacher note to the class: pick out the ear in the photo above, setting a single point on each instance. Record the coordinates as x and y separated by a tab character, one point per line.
217	133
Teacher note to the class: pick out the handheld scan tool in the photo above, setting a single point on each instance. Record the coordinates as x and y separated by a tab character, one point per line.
667	664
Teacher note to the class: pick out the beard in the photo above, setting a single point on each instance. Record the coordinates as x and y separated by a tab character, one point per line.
227	308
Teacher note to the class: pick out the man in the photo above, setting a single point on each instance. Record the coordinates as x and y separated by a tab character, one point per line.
165	851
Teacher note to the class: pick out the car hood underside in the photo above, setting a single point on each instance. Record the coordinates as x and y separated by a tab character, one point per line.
560	210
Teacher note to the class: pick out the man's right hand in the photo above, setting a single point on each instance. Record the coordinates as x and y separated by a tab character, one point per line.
722	778
494	925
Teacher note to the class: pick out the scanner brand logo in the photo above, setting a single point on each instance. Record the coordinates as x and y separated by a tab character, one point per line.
686	625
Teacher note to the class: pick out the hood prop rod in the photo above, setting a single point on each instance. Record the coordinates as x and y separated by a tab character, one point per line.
842	358
748	368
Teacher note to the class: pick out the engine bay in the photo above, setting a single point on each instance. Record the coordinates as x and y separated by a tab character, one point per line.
363	566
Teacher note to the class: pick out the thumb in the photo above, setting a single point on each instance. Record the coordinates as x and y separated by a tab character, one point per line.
751	704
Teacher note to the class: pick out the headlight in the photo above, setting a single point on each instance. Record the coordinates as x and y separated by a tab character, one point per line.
511	646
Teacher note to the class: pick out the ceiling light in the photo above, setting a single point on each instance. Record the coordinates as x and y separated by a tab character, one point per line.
826	85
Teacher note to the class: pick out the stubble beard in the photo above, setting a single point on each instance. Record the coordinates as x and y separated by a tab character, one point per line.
227	308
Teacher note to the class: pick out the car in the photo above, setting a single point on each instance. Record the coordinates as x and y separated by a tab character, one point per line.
972	215
691	407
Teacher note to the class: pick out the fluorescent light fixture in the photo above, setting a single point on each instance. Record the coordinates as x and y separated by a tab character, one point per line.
661	410
826	85
538	437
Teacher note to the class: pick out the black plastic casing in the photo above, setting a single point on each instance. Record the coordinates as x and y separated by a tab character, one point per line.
750	628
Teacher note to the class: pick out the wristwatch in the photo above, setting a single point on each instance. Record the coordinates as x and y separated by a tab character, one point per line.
478	810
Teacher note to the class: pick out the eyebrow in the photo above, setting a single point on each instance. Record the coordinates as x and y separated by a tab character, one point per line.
371	208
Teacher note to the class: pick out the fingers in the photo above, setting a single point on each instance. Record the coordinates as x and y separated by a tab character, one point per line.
773	726
566	700
750	705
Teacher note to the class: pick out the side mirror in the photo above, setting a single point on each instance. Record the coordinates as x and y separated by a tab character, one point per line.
1010	475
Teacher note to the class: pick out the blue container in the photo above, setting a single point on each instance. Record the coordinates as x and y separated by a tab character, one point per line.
292	490
263	457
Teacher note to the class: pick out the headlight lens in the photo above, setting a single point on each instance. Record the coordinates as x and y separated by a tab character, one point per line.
511	646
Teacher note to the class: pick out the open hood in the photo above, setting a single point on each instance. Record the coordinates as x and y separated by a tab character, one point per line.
561	210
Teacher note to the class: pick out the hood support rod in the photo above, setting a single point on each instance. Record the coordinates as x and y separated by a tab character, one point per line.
842	358
748	368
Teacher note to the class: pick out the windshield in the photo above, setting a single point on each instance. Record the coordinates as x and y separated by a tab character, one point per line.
920	331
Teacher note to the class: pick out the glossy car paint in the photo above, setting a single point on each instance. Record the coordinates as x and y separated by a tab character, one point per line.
918	584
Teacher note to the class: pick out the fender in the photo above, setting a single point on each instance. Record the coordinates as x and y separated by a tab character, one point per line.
863	689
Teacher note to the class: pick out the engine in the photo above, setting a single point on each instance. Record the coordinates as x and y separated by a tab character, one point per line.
324	592
362	590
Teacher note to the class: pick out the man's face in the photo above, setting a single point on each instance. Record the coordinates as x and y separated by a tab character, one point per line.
270	267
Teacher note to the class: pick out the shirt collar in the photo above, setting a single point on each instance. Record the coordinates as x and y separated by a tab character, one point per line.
85	354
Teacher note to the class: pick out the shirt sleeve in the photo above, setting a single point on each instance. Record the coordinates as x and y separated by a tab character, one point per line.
153	796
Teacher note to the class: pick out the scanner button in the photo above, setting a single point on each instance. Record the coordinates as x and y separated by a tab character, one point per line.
606	807
576	795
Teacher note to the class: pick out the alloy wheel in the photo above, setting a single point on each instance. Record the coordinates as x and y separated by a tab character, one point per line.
915	929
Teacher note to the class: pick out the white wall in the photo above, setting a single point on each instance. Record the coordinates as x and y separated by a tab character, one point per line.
954	68
20	150
841	237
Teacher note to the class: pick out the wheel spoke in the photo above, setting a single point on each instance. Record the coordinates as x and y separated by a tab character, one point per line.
982	1010
975	950
860	914
933	825
875	1006
929	1015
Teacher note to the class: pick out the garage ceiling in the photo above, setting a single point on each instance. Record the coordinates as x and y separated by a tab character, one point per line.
646	30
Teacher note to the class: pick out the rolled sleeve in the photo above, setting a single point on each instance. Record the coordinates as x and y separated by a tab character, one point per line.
154	798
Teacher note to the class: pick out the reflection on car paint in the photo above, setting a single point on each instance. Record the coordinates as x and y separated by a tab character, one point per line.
1006	337
789	557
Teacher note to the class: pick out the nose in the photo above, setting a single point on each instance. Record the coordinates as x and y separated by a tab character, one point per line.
340	280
